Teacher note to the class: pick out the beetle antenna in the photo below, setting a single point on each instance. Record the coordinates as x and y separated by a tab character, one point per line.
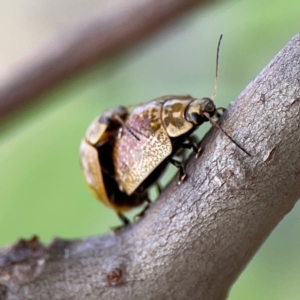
218	126
127	127
217	64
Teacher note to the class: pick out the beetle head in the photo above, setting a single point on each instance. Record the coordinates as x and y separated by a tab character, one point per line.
196	109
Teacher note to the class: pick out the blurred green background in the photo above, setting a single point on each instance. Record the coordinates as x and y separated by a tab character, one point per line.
41	188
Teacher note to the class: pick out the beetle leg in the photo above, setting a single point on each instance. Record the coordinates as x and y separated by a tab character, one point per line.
144	210
146	207
218	115
190	145
194	139
199	151
180	166
158	188
124	220
222	109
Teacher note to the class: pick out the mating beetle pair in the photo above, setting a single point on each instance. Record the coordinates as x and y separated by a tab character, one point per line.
124	153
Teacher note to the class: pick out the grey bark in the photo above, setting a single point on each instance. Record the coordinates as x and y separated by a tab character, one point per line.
197	238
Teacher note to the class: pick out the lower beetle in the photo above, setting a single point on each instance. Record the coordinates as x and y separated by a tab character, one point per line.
162	126
97	164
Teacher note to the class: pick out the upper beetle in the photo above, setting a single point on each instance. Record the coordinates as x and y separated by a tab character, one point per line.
163	126
97	163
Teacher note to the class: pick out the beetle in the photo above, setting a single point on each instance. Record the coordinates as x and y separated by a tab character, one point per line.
97	164
163	126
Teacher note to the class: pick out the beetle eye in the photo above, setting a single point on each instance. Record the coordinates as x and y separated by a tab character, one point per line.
210	107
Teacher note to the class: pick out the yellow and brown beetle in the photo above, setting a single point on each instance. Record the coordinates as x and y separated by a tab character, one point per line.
97	163
163	126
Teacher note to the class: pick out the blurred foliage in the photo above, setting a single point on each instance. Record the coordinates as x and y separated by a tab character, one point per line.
42	190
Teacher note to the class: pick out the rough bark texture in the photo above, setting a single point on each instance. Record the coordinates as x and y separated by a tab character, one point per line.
197	238
113	29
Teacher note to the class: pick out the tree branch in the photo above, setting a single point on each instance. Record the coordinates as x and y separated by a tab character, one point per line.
197	238
113	29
